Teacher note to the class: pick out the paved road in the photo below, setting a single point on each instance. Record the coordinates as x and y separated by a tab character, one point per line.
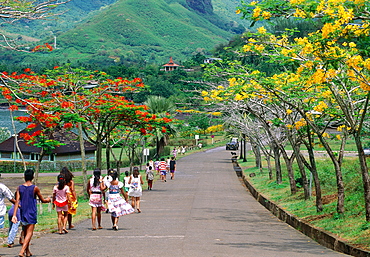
204	212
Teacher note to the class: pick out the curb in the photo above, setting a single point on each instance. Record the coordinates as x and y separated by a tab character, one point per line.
320	236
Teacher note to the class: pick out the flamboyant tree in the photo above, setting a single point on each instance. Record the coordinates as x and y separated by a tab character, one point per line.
67	97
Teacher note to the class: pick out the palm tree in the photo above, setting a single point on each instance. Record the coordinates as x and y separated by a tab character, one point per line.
161	107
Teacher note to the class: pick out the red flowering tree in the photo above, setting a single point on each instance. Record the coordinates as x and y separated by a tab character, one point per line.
65	97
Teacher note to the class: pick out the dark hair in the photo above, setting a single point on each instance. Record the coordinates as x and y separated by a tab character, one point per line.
110	171
67	174
162	159
113	174
97	174
61	181
135	172
126	173
150	168
28	174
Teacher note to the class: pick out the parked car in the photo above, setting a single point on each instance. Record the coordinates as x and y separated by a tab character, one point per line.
367	151
233	144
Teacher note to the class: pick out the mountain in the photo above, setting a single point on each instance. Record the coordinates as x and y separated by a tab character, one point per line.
112	32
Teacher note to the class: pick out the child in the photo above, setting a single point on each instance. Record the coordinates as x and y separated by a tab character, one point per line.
13	227
136	190
94	189
73	203
116	204
150	177
26	198
127	179
61	199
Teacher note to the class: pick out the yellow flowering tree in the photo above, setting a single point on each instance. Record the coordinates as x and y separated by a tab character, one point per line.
328	79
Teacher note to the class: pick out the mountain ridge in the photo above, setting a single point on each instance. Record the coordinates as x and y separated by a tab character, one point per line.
128	30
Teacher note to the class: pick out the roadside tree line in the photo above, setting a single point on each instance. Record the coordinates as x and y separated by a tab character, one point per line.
324	80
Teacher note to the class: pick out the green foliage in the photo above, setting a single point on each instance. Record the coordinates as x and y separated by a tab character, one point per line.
132	31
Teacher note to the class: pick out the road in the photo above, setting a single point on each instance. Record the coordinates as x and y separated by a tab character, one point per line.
205	211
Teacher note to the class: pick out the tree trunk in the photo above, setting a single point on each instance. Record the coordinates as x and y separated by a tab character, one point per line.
83	157
302	170
99	149
38	165
289	166
107	153
279	178
257	154
365	175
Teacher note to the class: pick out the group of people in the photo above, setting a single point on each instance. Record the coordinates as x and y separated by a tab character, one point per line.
162	167
111	189
107	191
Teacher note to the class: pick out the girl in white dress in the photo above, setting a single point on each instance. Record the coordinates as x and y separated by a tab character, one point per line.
135	190
117	206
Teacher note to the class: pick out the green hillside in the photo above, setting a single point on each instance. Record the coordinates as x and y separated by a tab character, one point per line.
131	30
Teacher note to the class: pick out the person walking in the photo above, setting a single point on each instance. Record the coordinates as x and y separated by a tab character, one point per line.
94	189
60	200
126	179
172	167
135	191
4	193
116	204
26	199
73	203
163	169
13	227
150	177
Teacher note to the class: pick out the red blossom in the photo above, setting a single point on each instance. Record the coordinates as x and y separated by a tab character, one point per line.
68	125
13	108
31	126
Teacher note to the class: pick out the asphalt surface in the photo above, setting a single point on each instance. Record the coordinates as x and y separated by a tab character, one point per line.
205	211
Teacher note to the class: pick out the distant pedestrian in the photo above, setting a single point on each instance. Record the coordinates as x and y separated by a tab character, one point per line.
126	180
73	203
156	166
172	167
116	204
94	189
150	178
174	152
107	178
135	191
163	169
26	201
151	163
60	200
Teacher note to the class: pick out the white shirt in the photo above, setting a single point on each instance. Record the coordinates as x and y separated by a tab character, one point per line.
4	193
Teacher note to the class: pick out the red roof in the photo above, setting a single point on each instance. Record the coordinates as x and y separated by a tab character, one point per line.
171	64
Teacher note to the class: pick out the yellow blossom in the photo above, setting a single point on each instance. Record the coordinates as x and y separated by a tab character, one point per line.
289	111
266	15
261	30
338	137
238	11
204	93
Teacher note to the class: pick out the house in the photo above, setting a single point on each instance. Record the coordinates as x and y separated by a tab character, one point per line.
67	152
171	66
212	60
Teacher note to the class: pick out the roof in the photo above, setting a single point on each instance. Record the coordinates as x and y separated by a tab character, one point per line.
69	138
171	64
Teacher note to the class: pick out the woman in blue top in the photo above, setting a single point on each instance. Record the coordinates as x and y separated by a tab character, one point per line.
26	197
